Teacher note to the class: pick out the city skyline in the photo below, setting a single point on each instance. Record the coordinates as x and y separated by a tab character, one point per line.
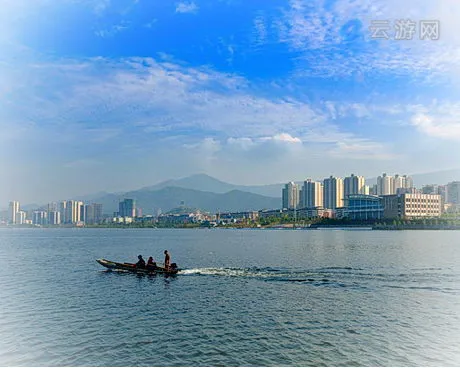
248	92
369	182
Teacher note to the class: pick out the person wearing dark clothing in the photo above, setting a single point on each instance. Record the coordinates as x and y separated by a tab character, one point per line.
151	263
167	259
140	263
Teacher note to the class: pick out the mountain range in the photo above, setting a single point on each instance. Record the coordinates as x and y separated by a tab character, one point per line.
167	198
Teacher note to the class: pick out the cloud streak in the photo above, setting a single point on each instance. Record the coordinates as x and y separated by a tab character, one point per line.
186	7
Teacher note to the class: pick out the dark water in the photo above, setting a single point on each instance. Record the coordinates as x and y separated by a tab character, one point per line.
284	298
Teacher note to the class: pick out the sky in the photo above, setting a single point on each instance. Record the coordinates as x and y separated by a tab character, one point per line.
115	95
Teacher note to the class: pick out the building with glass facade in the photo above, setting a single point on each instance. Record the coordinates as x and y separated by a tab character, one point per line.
363	207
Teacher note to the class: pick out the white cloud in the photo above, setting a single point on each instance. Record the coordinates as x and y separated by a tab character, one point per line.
438	126
164	98
186	7
329	28
283	137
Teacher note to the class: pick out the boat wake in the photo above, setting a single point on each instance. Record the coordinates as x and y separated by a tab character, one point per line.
333	277
264	274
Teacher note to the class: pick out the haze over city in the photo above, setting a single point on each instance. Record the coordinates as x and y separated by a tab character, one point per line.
114	95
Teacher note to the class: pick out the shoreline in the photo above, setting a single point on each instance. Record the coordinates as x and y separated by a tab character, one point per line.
285	227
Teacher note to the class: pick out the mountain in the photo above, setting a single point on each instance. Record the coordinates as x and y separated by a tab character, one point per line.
207	183
169	198
438	177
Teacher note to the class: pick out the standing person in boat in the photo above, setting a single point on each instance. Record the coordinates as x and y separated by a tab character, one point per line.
140	263
167	260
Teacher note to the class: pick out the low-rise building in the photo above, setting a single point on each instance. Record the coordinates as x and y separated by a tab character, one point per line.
238	216
412	206
363	207
270	213
420	205
309	212
122	220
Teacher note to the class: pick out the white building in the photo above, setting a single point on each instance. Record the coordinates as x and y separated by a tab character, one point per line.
354	185
290	195
420	205
312	194
333	193
73	212
21	217
385	185
12	211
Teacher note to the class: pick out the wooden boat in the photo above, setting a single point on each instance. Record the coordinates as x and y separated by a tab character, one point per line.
131	267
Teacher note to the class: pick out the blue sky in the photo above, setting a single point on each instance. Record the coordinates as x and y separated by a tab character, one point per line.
118	94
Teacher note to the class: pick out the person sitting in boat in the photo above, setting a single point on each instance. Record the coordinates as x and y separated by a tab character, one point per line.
140	263
151	263
167	260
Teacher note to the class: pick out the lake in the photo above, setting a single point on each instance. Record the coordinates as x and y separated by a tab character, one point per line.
243	298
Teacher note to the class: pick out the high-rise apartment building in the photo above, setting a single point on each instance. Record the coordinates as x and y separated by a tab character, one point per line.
54	217
290	195
82	212
312	194
373	190
21	217
93	213
89	214
453	192
333	193
62	210
354	185
39	218
13	209
430	189
388	185
402	182
127	208
53	206
73	212
97	210
385	185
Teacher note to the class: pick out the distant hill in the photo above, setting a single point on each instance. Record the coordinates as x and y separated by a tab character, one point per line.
207	183
170	198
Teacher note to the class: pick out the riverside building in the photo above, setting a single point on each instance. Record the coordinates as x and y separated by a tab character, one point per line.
290	195
127	208
13	209
364	207
354	185
453	193
333	193
412	206
311	194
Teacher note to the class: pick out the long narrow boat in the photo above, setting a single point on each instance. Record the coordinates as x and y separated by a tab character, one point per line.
131	267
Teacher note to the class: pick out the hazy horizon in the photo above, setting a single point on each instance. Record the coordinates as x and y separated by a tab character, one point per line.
116	95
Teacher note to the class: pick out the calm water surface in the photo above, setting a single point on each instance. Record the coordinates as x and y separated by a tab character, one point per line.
284	298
